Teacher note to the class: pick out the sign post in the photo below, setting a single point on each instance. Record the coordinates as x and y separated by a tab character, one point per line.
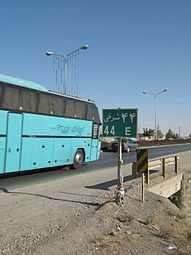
143	187
120	190
119	123
142	167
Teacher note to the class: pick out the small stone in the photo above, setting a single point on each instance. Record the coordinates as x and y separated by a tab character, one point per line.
118	227
155	228
122	218
128	232
171	246
112	233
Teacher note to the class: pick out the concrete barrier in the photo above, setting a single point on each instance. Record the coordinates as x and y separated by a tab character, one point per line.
185	193
168	187
178	188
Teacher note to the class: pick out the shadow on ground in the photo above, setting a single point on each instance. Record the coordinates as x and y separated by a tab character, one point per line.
106	185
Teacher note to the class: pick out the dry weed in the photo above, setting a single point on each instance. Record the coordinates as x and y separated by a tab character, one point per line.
151	220
166	232
189	236
128	219
177	214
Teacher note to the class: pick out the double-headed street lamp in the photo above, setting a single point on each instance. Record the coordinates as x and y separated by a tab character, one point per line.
48	53
155	96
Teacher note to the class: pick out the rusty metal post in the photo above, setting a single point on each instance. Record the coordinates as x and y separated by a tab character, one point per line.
147	177
134	169
164	168
143	187
176	164
120	190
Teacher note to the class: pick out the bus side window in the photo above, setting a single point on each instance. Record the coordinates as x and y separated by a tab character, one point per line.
28	101
11	98
59	105
80	110
43	106
1	95
92	113
70	108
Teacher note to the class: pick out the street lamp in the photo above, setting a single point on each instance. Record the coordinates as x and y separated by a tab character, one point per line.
49	53
155	96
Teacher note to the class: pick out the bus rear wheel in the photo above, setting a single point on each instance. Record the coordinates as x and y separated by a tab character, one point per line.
78	159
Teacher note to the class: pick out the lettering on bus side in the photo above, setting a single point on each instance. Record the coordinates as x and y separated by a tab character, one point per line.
62	129
66	130
78	130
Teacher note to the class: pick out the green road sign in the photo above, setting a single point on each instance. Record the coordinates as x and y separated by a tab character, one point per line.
120	122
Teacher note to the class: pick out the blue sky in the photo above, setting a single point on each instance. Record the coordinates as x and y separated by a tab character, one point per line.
133	46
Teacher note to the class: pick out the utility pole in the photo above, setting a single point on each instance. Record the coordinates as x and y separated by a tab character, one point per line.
179	131
155	106
64	58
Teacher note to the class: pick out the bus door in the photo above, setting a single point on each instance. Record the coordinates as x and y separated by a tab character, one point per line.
13	145
94	145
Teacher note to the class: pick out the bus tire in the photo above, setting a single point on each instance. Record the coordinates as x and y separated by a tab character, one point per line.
78	159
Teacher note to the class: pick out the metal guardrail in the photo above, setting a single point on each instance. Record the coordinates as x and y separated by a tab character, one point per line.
157	163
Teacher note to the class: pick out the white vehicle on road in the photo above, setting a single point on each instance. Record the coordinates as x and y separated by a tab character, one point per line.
127	145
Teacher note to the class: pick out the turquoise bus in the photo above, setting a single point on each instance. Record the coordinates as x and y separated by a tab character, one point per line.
42	129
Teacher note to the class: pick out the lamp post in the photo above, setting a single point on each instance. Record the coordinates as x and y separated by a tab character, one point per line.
155	96
49	53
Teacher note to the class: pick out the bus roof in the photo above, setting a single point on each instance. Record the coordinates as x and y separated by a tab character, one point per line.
72	97
20	82
43	101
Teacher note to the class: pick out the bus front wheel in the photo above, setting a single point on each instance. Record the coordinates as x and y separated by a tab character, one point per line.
78	159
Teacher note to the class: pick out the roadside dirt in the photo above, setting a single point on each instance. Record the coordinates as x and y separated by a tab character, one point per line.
43	224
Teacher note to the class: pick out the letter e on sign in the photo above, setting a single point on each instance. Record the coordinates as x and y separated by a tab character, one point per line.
127	131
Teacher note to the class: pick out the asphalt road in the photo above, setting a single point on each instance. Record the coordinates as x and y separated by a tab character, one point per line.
107	160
